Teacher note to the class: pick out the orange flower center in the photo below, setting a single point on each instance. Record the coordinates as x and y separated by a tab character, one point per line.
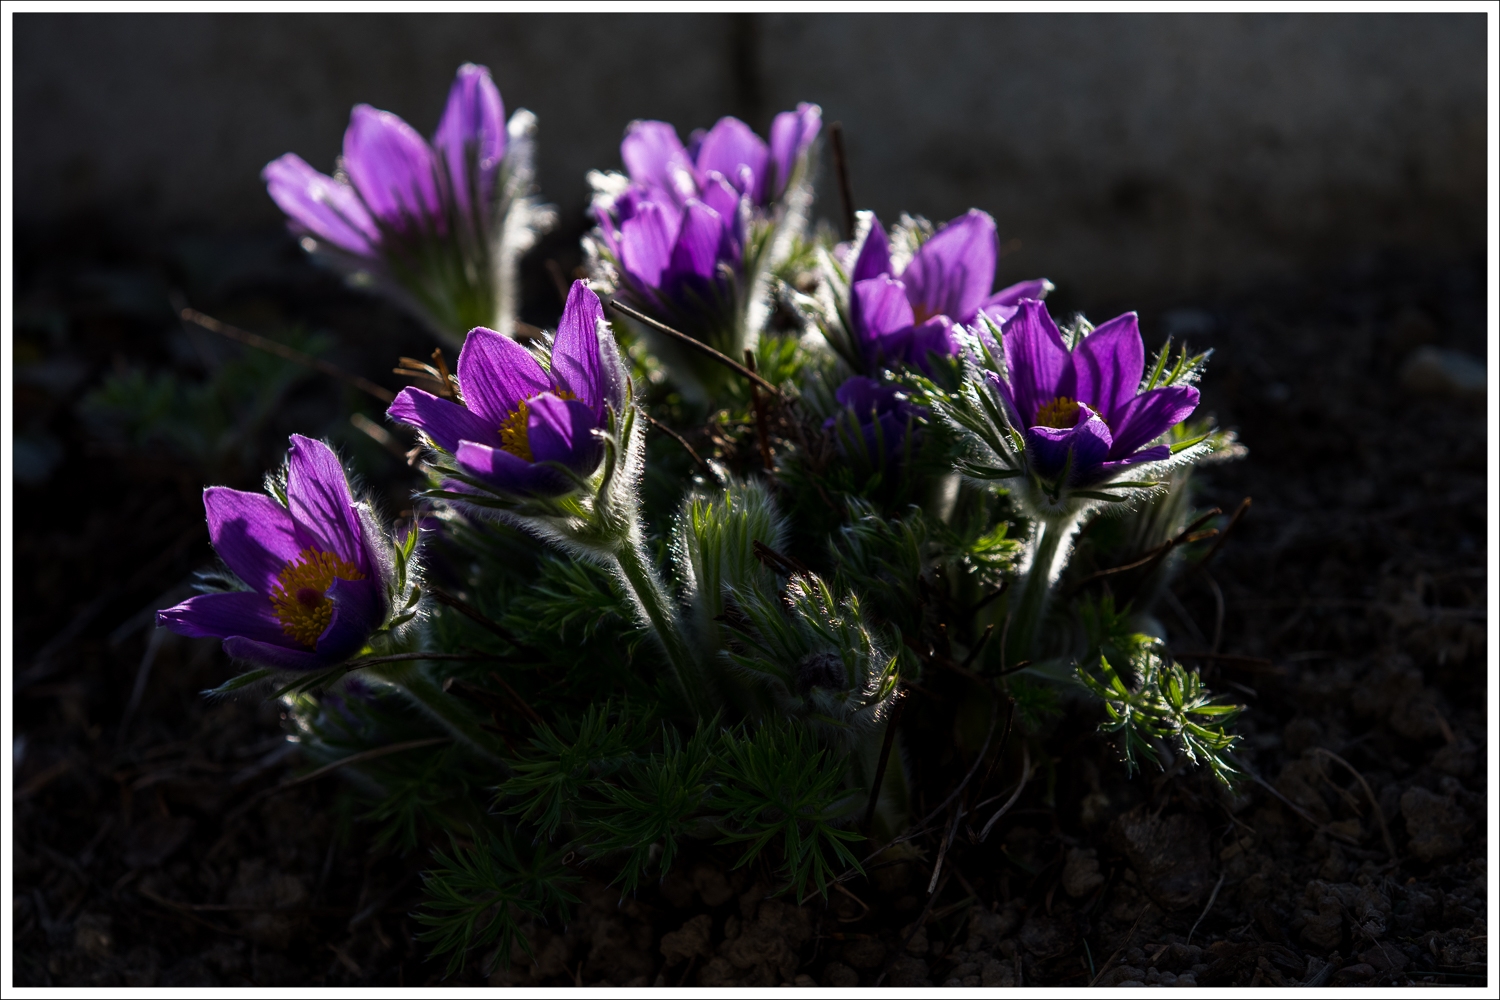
1061	412
301	594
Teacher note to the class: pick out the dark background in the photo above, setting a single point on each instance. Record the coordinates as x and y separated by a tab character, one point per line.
1124	154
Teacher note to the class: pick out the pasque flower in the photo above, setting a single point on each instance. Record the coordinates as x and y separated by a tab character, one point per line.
689	234
519	425
903	315
315	578
429	214
1082	411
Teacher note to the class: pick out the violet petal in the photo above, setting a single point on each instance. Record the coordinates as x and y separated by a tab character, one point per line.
562	430
473	125
646	244
318	498
507	472
496	375
696	251
357	612
272	655
252	533
1088	440
1041	368
654	156
953	271
576	349
1148	416
329	210
729	145
443	421
391	166
219	616
1109	363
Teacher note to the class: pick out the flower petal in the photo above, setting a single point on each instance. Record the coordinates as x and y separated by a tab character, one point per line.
883	306
252	533
576	351
496	374
443	421
721	196
646	240
698	244
505	471
219	616
357	612
391	166
562	430
1109	363
1148	416
791	133
729	145
1160	453
472	129
329	210
1088	440
1004	304
654	156
272	655
1041	369
953	271
318	498
874	257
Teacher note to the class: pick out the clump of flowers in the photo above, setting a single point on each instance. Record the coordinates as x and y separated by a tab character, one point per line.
634	647
438	226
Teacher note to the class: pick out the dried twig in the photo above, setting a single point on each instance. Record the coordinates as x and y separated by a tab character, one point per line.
675	437
696	345
281	350
1210	905
1385	833
841	170
885	757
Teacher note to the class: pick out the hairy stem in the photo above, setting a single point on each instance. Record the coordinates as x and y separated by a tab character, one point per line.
1030	605
651	597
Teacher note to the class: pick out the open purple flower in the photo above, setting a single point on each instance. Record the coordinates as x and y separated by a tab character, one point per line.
905	316
884	413
428	215
315	590
1082	411
518	418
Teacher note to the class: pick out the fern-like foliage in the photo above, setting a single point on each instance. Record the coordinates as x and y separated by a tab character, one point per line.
480	894
778	790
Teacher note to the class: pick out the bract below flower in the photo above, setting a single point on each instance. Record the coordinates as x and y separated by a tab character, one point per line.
316	592
907	314
1082	411
517	419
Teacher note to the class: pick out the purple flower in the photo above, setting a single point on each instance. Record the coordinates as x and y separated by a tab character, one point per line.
884	413
517	418
730	151
315	590
398	184
907	316
1082	410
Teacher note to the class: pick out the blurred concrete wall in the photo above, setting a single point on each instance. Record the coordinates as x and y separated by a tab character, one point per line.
1119	153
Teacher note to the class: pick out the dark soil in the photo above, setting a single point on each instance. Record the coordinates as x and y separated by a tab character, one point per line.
155	842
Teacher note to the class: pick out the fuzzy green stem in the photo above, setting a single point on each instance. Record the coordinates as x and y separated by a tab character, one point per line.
413	681
641	577
1036	590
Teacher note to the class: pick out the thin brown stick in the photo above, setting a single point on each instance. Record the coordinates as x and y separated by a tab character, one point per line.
281	350
1208	906
920	922
675	437
526	709
1385	833
1186	536
1126	944
885	757
841	170
475	615
1020	787
360	758
989	630
1234	519
759	406
696	345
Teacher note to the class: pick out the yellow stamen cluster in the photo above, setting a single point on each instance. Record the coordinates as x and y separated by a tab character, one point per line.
514	435
1060	412
301	594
